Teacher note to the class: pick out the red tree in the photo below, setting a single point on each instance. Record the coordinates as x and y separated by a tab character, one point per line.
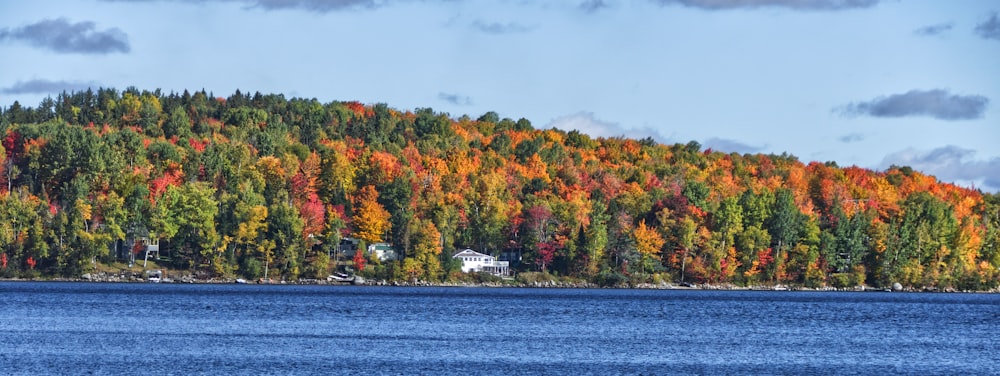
359	259
314	215
765	257
546	252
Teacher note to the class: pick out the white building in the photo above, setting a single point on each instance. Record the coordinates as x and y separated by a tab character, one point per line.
382	251
473	261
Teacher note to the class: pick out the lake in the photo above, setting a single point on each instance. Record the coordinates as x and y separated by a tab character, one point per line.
176	329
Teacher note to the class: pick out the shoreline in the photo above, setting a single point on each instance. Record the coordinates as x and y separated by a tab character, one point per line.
505	284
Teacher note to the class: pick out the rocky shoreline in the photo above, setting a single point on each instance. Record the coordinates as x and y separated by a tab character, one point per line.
138	277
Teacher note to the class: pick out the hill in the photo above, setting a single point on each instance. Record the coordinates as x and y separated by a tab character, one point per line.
251	183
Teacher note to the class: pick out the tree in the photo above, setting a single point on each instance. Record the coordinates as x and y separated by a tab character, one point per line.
487	209
371	220
251	225
596	236
397	199
755	253
428	124
412	268
185	216
728	221
426	241
783	225
179	124
546	252
686	233
649	243
359	257
19	223
128	109
149	113
335	223
286	177
285	230
111	209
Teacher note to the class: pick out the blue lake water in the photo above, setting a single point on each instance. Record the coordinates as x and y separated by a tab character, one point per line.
172	329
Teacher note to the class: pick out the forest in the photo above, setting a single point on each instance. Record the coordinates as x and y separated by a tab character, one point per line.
240	186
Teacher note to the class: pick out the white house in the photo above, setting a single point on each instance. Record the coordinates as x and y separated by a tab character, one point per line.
382	251
473	261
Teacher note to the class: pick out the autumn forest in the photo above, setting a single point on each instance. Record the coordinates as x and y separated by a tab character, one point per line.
240	186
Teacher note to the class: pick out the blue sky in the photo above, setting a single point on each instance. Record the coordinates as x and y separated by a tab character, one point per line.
859	82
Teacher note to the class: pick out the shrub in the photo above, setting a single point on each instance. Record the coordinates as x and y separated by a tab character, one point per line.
611	279
530	278
841	280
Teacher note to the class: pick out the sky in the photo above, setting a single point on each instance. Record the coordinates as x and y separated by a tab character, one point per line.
871	83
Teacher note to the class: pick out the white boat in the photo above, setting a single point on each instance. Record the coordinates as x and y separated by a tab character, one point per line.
344	278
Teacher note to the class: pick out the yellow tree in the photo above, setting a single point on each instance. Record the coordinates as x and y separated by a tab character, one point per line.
412	268
426	240
129	107
252	222
648	242
371	220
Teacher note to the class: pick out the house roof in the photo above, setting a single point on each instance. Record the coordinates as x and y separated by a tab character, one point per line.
381	247
470	253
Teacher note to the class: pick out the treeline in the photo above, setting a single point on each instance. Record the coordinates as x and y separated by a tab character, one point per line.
239	185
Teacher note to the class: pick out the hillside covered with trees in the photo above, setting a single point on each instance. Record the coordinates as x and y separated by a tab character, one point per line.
233	186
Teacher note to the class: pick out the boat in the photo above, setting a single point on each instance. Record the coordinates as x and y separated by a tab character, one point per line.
344	278
154	276
338	277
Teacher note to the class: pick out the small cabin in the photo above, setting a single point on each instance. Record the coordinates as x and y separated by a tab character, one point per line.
473	262
382	251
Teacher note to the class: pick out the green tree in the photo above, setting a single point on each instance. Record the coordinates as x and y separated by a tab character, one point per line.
285	230
185	216
596	238
178	125
783	224
111	209
487	211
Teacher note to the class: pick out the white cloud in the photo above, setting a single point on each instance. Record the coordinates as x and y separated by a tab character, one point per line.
950	163
731	146
585	122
